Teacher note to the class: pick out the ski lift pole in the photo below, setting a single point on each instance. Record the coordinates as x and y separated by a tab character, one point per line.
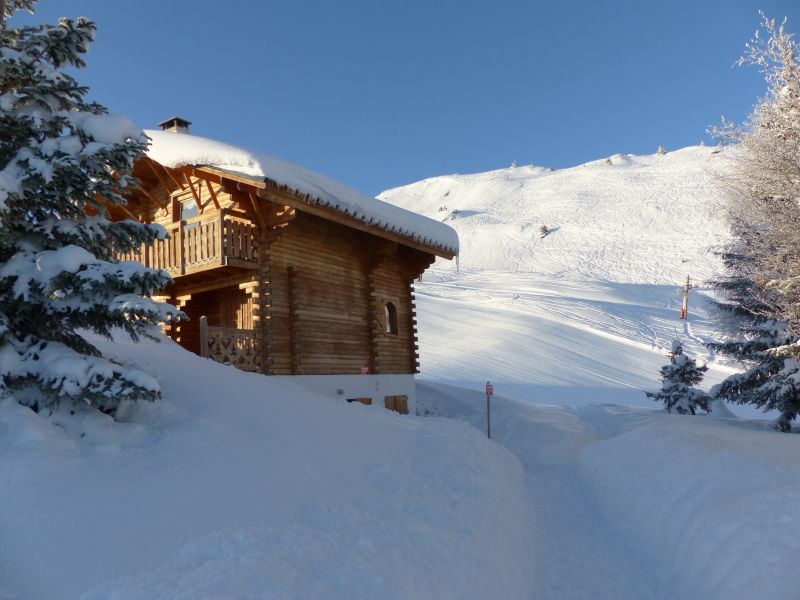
489	394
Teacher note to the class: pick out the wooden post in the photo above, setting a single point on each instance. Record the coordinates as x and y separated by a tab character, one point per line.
219	245
181	250
685	307
204	336
489	394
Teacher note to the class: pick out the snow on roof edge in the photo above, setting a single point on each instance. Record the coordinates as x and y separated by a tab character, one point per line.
182	149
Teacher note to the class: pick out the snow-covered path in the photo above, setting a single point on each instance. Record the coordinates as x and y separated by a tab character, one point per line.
577	555
630	503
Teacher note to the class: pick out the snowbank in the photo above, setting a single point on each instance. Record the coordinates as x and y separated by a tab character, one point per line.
631	503
179	149
237	486
715	502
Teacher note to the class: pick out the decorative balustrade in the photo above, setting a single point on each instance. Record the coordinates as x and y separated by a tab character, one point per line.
226	238
229	345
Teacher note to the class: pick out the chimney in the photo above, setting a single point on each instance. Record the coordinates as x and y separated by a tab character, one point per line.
175	125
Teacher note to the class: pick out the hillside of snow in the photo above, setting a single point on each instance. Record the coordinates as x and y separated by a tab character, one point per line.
585	312
572	327
625	219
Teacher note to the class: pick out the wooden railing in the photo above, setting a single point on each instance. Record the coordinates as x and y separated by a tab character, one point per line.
203	242
229	345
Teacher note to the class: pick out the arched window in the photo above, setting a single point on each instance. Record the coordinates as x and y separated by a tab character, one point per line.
390	313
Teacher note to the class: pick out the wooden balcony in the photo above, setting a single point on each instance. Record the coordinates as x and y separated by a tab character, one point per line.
225	239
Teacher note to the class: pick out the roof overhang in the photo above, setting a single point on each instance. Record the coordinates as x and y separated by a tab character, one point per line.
271	191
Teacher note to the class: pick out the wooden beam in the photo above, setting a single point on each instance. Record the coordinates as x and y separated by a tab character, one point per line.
213	194
254	201
209	284
152	198
172	175
194	192
154	167
121	207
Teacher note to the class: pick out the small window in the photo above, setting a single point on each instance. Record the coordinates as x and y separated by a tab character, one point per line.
188	209
390	313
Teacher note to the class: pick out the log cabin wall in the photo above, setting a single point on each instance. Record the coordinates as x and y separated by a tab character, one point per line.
329	287
316	299
394	343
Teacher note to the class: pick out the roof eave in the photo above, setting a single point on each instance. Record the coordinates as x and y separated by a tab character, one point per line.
312	205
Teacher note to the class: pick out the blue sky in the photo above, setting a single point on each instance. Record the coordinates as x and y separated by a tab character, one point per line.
378	94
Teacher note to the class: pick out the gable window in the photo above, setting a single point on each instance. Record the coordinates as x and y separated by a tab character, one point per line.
188	209
183	209
390	314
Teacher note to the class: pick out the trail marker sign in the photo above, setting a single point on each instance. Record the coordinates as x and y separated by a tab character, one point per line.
489	394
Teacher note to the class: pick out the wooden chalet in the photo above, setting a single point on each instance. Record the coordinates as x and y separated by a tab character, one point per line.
280	270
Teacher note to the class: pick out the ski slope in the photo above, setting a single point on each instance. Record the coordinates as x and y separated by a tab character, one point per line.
625	219
585	312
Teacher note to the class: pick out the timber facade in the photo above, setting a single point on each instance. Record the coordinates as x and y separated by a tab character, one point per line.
274	282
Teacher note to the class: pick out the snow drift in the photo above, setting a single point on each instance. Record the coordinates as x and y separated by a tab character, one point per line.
714	502
239	486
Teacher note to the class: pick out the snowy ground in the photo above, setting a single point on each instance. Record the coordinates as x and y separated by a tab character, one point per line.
571	328
235	486
633	504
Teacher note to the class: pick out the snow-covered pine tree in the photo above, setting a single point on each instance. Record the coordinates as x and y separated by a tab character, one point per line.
679	378
773	383
62	161
763	342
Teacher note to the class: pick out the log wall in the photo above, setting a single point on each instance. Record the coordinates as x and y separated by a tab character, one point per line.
317	299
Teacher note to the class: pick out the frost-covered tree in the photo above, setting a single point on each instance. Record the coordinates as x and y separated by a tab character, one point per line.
761	295
764	182
679	378
63	161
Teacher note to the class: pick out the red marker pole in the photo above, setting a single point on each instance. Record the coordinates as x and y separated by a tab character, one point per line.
489	394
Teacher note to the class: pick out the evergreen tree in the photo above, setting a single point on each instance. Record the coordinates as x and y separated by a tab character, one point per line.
63	160
679	379
773	383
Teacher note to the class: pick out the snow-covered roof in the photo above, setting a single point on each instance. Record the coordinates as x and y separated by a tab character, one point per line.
182	149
